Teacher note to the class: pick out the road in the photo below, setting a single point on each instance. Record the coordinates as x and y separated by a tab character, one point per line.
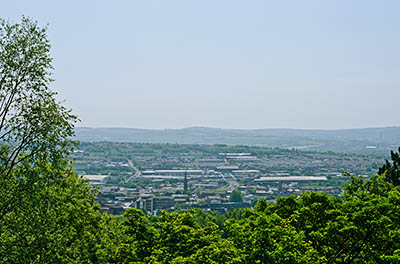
136	174
233	184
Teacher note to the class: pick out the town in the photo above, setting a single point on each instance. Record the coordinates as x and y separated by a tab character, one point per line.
153	177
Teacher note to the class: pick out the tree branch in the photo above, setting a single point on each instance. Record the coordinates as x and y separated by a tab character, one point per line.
14	154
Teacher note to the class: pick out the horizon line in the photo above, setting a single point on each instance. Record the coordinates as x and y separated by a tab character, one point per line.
248	129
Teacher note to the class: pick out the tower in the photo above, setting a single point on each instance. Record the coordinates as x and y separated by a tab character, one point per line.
185	182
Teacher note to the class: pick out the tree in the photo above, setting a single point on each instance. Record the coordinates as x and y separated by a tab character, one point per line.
236	197
32	123
47	211
135	241
181	239
51	222
392	170
261	237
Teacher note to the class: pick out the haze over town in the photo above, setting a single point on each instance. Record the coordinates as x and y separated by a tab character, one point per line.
229	64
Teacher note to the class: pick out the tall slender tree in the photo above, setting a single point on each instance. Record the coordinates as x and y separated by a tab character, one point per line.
392	170
47	212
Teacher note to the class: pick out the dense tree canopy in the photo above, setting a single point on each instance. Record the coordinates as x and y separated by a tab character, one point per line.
363	226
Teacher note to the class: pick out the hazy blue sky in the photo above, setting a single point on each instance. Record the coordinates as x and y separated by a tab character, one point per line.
229	64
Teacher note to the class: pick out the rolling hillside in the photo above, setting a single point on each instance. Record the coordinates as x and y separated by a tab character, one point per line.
366	140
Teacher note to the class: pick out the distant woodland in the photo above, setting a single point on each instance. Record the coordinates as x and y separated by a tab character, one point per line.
375	141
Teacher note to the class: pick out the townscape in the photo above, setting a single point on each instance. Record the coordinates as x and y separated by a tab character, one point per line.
205	132
152	177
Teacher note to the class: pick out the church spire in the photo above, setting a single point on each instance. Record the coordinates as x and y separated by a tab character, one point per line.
185	182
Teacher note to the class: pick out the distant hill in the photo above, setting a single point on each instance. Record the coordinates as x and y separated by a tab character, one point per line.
365	140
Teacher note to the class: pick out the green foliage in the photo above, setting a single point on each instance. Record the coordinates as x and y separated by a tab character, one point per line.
48	213
392	170
236	197
363	226
53	218
32	124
